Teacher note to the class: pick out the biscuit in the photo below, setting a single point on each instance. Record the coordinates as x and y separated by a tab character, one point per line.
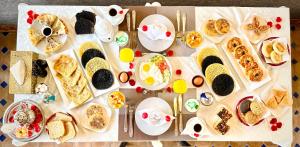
222	26
257	108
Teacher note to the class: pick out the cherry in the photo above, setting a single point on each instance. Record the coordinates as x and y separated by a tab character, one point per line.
145	115
139	89
168	33
278	26
138	53
278	19
131	82
29	20
11	119
169	89
273	121
270	24
168	118
178	72
129	73
131	65
279	125
145	28
35	16
29	13
274	128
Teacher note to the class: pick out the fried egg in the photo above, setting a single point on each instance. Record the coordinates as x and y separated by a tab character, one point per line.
150	74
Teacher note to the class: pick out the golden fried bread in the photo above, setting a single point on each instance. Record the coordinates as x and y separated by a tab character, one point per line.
71	80
81	97
65	65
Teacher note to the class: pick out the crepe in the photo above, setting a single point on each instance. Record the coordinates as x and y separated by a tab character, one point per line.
46	19
53	44
59	28
35	35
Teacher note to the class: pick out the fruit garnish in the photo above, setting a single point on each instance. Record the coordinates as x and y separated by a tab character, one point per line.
139	89
35	16
168	33
145	28
138	53
29	20
270	24
279	125
278	19
121	12
278	26
274	128
131	65
145	115
196	134
131	82
178	72
169	89
168	118
273	121
29	13
129	73
29	133
170	53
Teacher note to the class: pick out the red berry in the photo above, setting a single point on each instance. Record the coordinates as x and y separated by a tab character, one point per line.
121	12
145	28
37	128
131	82
129	73
169	89
279	125
273	121
145	115
168	118
170	53
274	128
278	26
11	119
139	89
138	53
35	16
29	134
30	127
131	65
168	33
178	72
33	107
270	24
278	19
29	13
196	134
29	20
14	111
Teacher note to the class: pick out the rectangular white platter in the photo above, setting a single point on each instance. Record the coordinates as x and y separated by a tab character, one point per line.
79	39
69	104
220	55
249	85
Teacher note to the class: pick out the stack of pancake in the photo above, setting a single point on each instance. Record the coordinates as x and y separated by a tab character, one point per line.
72	79
216	74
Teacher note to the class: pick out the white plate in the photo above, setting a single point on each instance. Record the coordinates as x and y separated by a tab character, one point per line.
156	45
79	39
69	104
137	71
250	85
153	102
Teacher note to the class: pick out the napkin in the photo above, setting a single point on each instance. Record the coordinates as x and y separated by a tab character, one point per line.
155	117
156	32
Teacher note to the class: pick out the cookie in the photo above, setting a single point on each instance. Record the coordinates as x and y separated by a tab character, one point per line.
246	60
102	79
214	70
208	61
257	108
239	51
90	54
210	29
223	85
95	64
251	118
233	43
222	26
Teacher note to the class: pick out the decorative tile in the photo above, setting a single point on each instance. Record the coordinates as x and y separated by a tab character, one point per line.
4	50
295	94
296	129
295	78
5	33
294	61
293	28
2	137
3	102
3	84
296	112
263	145
4	67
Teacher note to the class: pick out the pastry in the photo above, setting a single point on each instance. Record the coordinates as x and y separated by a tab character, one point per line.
256	74
35	36
257	108
88	45
223	84
214	70
95	110
210	29
224	115
59	28
278	98
222	127
246	60
279	47
70	132
72	79
77	88
233	43
90	54
65	65
275	57
267	49
55	129
53	44
102	79
208	61
251	118
239	51
222	26
87	15
80	98
46	19
95	64
256	26
193	39
250	66
84	26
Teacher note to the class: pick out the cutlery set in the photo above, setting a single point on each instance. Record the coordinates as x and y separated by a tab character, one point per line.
131	17
129	110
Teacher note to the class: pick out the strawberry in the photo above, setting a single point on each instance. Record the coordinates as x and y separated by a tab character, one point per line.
29	13
270	24
278	19
29	20
138	53
273	121
168	33
145	28
131	82
274	128
170	53
131	65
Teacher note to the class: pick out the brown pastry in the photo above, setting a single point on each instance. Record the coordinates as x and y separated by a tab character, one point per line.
222	26
233	43
222	127
256	74
239	51
246	60
251	66
210	29
256	26
251	118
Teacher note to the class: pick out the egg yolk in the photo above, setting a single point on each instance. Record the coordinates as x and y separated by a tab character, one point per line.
146	67
149	80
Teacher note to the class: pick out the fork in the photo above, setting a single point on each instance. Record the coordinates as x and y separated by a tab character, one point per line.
128	28
178	34
131	110
134	32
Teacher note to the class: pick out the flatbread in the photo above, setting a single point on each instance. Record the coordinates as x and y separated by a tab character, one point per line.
88	45
95	64
65	65
59	28
81	97
214	70
90	54
76	89
206	52
53	44
35	35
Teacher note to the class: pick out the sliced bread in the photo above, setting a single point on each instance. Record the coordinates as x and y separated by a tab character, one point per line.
62	117
56	129
70	132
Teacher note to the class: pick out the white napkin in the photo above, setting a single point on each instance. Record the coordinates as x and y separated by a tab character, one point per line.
156	32
155	117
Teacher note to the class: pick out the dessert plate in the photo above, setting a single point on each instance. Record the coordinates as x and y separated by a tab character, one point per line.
156	45
159	104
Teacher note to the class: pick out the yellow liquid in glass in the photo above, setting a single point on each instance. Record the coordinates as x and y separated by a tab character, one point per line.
126	55
180	86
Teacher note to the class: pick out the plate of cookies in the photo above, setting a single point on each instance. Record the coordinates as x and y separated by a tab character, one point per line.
95	64
245	61
216	71
69	78
216	28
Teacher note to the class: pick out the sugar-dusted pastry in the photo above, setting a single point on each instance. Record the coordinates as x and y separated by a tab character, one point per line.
53	44
65	65
256	74
275	57
233	43
239	51
246	60
210	29
267	49
222	26
46	19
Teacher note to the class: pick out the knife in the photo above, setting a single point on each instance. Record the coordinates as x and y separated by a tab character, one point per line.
131	121
125	118
175	115
128	29
180	112
183	22
178	35
133	29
